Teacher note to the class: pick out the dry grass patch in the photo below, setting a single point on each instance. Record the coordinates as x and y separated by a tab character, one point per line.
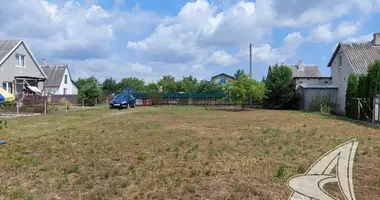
175	153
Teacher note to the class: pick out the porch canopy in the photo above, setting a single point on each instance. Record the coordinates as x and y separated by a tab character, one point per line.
28	83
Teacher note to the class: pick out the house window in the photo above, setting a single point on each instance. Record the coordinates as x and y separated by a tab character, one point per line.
65	78
64	91
340	61
223	81
20	59
8	86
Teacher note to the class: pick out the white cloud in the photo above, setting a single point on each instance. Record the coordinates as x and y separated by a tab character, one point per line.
222	58
269	55
360	38
326	32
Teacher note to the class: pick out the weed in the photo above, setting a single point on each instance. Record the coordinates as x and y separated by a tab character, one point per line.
72	169
377	183
267	151
29	197
17	192
36	161
280	173
177	181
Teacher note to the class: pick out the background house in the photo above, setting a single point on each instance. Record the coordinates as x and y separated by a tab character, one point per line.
352	57
18	68
222	78
59	81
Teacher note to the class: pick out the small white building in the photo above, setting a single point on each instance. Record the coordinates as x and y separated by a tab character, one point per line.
59	81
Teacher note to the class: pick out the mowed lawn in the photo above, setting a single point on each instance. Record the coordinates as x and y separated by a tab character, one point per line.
176	153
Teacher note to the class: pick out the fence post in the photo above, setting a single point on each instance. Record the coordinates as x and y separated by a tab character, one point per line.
96	102
66	105
82	104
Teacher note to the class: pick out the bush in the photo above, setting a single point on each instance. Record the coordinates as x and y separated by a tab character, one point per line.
65	103
351	95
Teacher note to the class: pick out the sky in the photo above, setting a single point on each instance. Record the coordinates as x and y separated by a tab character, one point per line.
149	38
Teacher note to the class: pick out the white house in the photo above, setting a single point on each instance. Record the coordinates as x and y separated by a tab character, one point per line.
221	78
59	81
19	70
352	57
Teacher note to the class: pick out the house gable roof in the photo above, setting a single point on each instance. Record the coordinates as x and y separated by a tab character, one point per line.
7	47
55	74
223	74
359	54
307	72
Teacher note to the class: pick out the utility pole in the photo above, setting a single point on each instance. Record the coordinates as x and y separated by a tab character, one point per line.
250	60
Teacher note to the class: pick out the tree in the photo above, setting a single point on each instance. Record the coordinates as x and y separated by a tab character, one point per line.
152	87
373	80
238	73
153	92
110	86
82	81
362	92
281	90
205	86
168	84
89	91
187	84
244	88
132	82
351	92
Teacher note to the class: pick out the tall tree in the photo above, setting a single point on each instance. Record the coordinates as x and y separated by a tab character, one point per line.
152	87
244	88
209	87
168	84
280	89
238	73
82	81
110	86
373	80
362	92
187	84
89	91
351	94
132	82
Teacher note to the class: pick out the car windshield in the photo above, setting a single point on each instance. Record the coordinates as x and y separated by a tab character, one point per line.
121	97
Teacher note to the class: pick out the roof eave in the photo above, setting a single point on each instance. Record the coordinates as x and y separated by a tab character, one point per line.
334	54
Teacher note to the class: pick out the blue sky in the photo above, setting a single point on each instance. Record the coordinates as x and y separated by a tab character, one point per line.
149	38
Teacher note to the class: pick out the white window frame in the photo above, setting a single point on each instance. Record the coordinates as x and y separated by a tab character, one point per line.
18	60
66	79
340	60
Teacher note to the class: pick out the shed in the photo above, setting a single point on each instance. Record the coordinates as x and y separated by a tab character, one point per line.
312	96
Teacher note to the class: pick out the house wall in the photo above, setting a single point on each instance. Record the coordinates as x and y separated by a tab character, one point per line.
340	78
8	70
313	81
71	88
307	96
218	78
53	90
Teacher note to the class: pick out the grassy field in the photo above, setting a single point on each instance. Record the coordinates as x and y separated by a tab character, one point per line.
175	153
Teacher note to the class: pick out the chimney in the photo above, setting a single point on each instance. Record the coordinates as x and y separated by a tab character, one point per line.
300	66
43	61
376	39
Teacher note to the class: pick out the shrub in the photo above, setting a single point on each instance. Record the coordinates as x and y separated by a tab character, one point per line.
351	94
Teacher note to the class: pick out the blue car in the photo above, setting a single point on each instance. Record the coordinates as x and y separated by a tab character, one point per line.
123	101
